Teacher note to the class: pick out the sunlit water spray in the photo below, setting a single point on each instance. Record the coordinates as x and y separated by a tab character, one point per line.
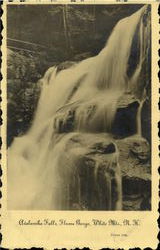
37	177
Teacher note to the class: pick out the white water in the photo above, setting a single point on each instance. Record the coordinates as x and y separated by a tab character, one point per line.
35	179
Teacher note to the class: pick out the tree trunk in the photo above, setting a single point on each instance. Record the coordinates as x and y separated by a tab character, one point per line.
68	29
65	27
94	24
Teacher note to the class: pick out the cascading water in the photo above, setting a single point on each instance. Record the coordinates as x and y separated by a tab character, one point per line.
41	173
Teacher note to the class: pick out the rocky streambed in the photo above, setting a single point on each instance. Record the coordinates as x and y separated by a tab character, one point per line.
106	170
110	167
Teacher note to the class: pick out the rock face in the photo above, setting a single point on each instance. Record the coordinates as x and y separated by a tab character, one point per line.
124	124
134	160
105	171
65	65
95	182
122	154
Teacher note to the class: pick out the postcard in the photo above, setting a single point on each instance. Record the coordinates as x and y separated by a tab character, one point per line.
79	124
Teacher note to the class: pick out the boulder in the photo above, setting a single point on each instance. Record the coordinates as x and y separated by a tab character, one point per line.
65	65
95	180
124	122
134	160
107	174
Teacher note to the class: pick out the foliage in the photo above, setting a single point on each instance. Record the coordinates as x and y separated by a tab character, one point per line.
66	30
23	91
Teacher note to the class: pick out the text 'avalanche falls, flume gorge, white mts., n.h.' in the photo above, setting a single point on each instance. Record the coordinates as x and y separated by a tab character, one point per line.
85	149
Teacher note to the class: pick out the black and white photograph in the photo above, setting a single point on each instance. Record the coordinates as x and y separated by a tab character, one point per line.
79	107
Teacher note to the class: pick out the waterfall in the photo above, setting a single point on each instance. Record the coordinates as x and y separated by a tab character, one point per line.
41	172
139	79
139	115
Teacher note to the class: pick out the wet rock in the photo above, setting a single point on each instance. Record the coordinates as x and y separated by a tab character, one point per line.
65	65
99	165
125	122
64	123
134	160
146	119
134	157
96	153
103	148
96	181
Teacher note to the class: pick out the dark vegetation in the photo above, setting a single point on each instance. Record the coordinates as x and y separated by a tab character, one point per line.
40	36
